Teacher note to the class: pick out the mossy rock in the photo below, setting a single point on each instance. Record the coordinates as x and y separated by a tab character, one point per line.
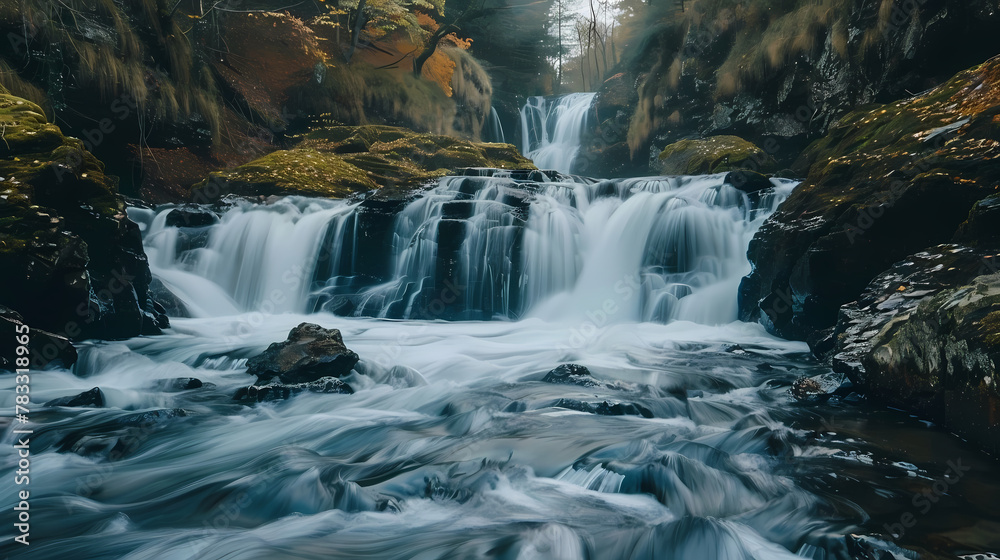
887	181
301	171
714	155
339	161
73	263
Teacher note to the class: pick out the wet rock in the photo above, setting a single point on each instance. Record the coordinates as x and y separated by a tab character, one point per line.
714	155
46	349
748	181
884	183
570	374
192	216
895	293
924	337
178	384
93	397
279	392
172	305
819	388
605	408
311	352
73	262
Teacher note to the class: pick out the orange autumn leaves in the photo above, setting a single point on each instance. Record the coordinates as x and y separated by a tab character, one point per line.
396	52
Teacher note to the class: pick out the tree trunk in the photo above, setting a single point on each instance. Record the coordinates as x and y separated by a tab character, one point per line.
432	43
359	24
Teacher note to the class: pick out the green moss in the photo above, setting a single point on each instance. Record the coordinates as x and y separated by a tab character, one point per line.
338	161
300	171
40	164
713	155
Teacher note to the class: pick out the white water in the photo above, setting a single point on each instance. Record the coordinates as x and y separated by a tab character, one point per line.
653	249
451	445
551	129
493	129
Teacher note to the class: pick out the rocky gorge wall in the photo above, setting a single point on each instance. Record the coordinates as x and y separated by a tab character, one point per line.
778	74
853	262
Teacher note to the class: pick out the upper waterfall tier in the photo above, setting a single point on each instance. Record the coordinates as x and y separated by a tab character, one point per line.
551	129
473	247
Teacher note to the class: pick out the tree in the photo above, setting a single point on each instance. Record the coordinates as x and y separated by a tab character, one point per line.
377	19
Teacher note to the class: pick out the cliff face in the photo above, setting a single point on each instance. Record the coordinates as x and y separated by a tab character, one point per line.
73	262
885	182
884	259
778	74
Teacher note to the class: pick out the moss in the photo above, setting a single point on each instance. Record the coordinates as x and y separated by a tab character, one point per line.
924	138
301	171
713	155
339	161
50	169
990	328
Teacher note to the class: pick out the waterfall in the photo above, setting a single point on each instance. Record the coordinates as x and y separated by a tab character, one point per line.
551	129
665	438
493	129
477	247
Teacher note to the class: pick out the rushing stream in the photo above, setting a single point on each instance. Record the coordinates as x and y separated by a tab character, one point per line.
683	444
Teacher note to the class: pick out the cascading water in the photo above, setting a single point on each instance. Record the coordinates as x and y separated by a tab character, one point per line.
493	128
510	247
551	129
679	441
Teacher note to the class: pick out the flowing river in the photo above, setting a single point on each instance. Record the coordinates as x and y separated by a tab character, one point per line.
683	442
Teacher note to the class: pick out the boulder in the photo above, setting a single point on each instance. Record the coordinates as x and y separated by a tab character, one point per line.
820	388
93	397
192	216
748	181
309	354
570	374
74	263
925	337
713	155
886	182
604	408
178	384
